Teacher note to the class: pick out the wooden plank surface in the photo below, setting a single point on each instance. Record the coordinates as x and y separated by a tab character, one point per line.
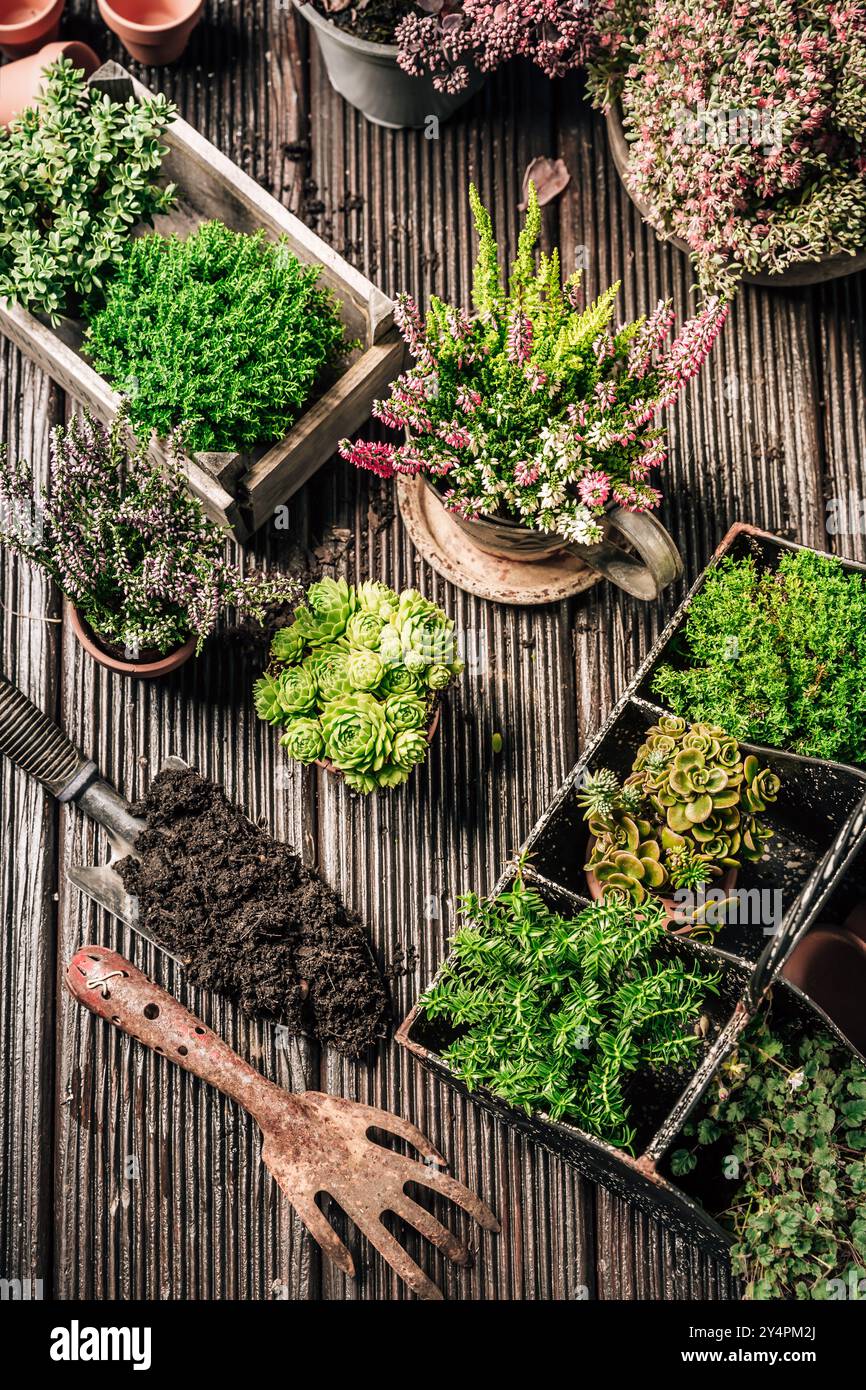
121	1177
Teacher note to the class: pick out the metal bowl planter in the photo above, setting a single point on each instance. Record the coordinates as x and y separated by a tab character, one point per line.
368	76
830	267
499	559
819	825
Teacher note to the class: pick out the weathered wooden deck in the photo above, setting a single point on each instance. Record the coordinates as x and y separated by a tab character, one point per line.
123	1177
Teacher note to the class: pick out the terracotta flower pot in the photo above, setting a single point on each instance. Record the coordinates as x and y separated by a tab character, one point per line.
26	25
20	81
143	670
153	31
673	914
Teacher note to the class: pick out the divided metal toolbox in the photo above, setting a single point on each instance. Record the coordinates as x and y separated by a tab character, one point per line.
819	824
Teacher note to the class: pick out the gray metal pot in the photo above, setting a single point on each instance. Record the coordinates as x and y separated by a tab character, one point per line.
368	76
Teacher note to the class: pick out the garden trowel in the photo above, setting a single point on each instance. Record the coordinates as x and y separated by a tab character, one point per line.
35	744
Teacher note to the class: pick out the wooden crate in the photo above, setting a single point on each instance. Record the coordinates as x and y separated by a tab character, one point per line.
240	490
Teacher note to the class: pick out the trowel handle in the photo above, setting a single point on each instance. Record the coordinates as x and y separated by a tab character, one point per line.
109	985
35	744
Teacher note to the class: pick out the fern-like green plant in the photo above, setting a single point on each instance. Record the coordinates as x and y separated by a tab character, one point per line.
222	334
561	1014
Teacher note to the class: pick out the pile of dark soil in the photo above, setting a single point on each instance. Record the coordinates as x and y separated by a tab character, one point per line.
375	20
248	919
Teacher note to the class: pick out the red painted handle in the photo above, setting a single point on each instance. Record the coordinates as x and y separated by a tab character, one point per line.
109	985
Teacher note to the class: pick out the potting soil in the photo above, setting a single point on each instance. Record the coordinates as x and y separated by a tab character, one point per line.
249	919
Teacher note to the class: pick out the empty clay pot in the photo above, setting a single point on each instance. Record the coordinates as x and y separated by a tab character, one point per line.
25	25
20	81
829	965
153	31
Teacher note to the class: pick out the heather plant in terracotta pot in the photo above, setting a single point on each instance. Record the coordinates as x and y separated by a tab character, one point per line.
687	815
745	129
127	544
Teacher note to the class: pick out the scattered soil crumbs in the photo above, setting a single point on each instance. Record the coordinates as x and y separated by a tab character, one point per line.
404	961
248	919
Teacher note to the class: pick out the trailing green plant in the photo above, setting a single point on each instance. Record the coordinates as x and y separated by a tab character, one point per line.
126	542
355	679
785	1120
77	172
689	810
562	1014
777	656
225	334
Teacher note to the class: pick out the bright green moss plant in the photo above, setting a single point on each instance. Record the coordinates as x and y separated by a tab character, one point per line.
786	1122
77	172
777	656
355	679
223	334
561	1014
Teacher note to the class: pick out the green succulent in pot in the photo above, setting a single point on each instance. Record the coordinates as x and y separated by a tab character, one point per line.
354	680
689	812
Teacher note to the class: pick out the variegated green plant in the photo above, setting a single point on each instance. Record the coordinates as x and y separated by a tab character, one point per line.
355	678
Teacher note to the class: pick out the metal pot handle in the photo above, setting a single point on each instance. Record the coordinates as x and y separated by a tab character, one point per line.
657	563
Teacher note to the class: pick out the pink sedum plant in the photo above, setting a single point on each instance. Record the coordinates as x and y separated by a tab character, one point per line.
445	38
535	409
747	125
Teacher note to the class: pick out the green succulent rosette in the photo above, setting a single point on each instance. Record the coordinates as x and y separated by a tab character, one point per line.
325	615
405	711
440	677
288	645
331	670
303	739
364	629
357	737
297	689
390	646
397	680
425	630
410	747
376	598
266	697
364	669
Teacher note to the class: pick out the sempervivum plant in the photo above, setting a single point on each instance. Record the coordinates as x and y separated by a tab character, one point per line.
445	37
126	542
690	810
354	679
747	123
534	408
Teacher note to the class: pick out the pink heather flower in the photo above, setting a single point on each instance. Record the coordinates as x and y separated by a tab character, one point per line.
454	436
536	378
525	474
467	400
377	458
519	338
407	317
594	489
